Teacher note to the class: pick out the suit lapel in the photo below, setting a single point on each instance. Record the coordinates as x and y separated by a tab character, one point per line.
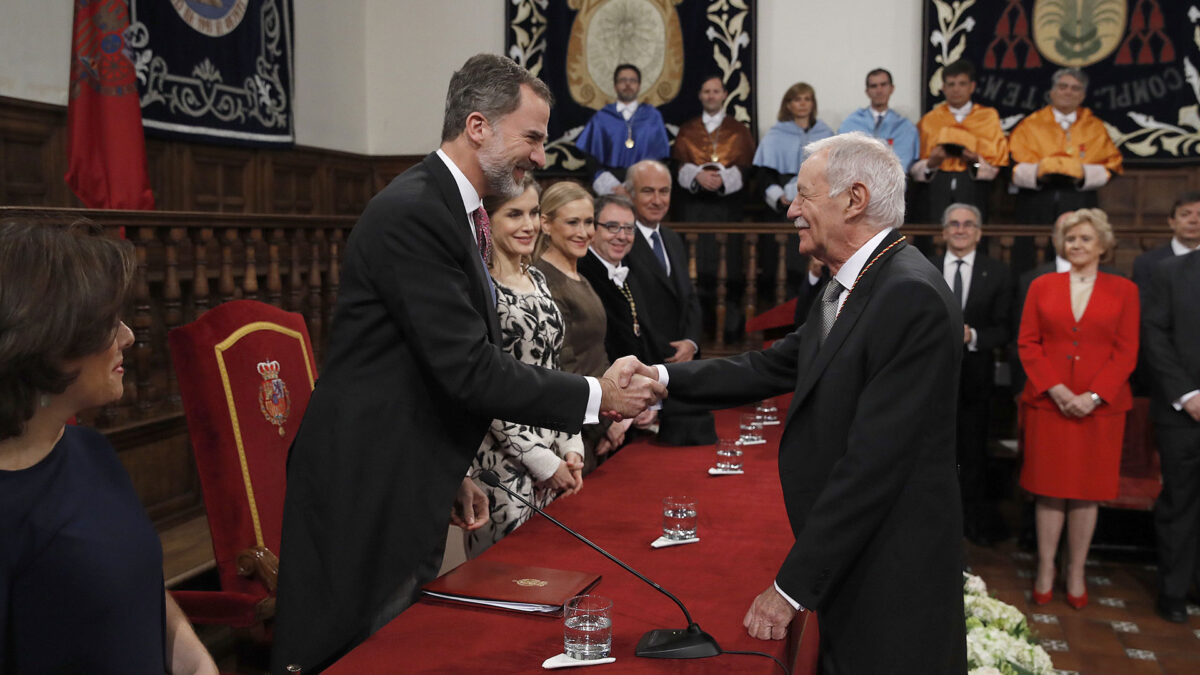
859	297
482	297
646	258
979	283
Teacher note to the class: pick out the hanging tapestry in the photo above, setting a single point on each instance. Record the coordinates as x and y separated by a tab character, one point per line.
574	45
218	71
1141	57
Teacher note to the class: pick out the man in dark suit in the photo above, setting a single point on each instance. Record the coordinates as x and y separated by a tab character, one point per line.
1171	336
413	376
669	310
1184	222
981	285
867	455
605	270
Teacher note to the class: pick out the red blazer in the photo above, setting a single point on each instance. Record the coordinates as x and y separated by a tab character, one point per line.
1097	353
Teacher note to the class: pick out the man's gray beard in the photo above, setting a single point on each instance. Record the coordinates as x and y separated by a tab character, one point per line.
498	172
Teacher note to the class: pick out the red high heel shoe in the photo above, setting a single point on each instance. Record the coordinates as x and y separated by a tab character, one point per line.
1043	598
1078	601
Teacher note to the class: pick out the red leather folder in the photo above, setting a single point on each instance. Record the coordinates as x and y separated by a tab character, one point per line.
519	588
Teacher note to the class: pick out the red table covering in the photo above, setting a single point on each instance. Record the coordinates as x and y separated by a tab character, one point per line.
744	536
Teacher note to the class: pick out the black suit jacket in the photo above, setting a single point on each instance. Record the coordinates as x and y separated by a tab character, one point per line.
1171	336
867	465
619	339
1144	264
988	308
412	377
671	308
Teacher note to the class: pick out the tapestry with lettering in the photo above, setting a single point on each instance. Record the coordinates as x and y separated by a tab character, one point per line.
574	45
1141	57
217	71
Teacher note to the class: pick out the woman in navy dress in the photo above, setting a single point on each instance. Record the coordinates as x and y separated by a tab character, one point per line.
81	584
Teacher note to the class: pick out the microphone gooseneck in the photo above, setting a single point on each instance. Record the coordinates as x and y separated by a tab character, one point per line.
689	643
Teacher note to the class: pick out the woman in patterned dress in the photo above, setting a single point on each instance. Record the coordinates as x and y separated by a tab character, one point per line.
538	464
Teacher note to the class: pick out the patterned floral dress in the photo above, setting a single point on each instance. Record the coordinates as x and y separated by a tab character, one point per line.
522	455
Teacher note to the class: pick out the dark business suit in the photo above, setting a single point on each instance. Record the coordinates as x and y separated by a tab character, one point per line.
1144	264
866	463
988	304
412	377
1171	339
669	310
619	338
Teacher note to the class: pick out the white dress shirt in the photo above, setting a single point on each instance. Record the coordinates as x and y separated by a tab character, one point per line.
471	202
960	114
948	271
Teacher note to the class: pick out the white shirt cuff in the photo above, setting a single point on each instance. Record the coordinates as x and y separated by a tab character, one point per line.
774	192
687	176
595	393
918	169
605	183
731	176
795	605
663	379
1178	405
973	345
813	279
1024	175
1095	176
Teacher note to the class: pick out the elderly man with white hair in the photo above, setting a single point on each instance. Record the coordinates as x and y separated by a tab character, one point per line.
866	461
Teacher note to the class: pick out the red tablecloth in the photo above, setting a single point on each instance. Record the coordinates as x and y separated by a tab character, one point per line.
744	536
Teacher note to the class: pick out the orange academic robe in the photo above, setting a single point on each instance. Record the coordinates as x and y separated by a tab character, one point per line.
983	122
1038	136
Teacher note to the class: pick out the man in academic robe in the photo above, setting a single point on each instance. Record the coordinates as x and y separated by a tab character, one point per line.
1171	334
413	376
882	122
962	146
668	307
712	153
981	286
866	460
606	271
1061	154
623	133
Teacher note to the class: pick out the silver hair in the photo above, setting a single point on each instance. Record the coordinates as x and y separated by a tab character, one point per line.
959	205
1076	73
858	158
632	171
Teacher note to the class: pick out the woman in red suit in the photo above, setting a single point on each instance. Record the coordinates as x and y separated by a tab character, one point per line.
1078	343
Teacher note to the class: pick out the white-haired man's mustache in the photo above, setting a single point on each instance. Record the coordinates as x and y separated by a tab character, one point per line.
800	223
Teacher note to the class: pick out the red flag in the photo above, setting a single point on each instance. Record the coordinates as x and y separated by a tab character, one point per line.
106	150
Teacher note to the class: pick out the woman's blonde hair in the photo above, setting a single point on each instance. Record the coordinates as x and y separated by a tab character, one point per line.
554	198
1096	217
792	92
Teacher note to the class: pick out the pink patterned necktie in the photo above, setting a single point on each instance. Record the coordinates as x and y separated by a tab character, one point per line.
483	234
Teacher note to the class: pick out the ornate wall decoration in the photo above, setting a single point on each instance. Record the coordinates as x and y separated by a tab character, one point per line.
215	70
574	46
1141	57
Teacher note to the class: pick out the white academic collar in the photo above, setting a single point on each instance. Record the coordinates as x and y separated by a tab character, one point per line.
1061	264
470	198
1180	248
607	265
632	107
1059	117
961	113
968	259
847	275
712	121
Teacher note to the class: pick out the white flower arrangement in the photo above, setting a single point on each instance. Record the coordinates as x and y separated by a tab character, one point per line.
999	641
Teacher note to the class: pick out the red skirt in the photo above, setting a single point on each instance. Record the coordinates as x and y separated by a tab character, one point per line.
1072	458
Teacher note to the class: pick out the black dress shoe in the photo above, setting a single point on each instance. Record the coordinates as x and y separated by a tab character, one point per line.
1171	609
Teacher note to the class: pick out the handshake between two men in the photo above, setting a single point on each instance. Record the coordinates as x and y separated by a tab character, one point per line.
628	389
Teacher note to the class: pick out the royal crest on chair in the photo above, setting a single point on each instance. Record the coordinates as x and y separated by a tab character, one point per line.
273	397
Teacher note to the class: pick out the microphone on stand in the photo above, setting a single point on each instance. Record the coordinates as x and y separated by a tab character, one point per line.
660	643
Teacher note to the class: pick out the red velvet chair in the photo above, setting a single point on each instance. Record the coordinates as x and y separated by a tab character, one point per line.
246	371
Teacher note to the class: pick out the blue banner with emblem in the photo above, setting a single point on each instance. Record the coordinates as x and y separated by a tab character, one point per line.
218	71
1141	57
574	45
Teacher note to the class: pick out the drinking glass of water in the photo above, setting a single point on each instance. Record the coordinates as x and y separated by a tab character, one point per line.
750	429
729	455
679	518
587	627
